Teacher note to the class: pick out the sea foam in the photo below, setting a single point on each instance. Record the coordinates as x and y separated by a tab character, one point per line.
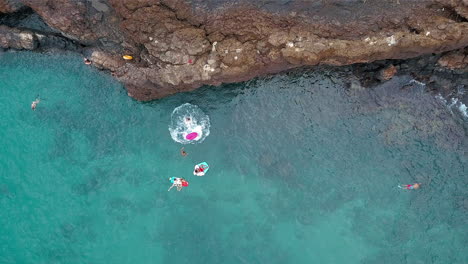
186	119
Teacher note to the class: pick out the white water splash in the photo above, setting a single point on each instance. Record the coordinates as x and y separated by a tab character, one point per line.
463	109
417	82
441	98
455	103
187	119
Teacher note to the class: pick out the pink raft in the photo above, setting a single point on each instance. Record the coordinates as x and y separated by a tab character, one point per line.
192	136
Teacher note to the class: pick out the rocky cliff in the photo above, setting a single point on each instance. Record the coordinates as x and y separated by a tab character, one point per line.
179	45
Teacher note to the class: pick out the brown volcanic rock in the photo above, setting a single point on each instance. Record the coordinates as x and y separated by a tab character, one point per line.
456	7
86	21
179	47
387	73
67	16
235	44
9	6
455	60
17	39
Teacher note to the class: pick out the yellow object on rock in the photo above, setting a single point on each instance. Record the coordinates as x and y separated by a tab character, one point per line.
127	57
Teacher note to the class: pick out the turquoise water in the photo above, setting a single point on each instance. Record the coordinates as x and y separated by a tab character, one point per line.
304	169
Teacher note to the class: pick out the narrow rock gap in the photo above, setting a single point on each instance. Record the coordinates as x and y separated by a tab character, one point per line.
27	19
414	30
449	12
455	16
13	19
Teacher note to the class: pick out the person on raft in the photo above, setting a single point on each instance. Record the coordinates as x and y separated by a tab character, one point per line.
35	103
410	186
199	170
178	183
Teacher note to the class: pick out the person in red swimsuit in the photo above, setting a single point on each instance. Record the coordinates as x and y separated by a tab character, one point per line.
410	186
35	103
199	170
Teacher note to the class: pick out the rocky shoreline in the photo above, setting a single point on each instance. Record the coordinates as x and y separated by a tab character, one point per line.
179	46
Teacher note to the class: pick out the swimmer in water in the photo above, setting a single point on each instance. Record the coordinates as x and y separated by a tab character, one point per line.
183	152
87	61
188	121
410	186
35	103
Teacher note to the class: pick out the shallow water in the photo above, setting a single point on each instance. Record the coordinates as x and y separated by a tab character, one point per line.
304	169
